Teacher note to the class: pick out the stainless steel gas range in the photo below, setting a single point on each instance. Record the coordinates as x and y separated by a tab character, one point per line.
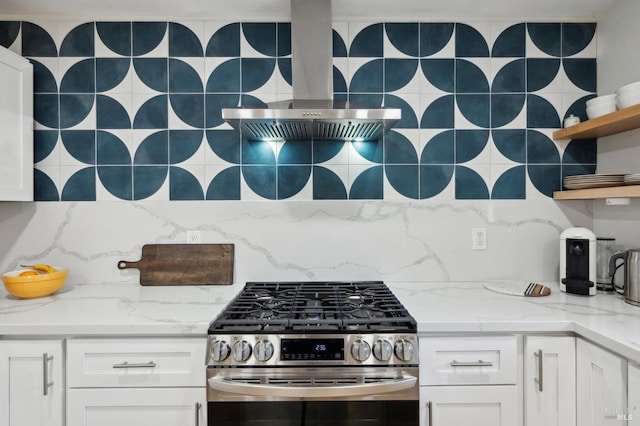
313	353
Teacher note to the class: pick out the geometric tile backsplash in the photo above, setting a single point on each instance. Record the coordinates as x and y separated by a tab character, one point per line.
132	110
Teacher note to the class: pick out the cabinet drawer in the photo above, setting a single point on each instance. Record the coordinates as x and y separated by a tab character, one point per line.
468	360
135	362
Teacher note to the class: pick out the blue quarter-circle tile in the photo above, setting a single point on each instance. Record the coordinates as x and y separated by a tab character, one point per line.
256	72
154	113
43	187
225	185
257	152
469	185
470	78
295	152
183	144
9	31
512	143
510	43
470	43
152	72
368	78
368	43
261	180
183	42
440	149
541	72
408	118
475	108
214	105
36	41
81	186
116	36
440	73
398	149
74	108
81	144
339	46
582	73
43	143
189	108
510	78
505	108
470	143
369	150
434	179
183	185
579	108
225	144
43	79
291	180
545	178
111	114
511	185
225	78
110	150
541	114
439	114
541	149
118	180
546	37
339	82
284	38
147	36
261	36
110	72
326	150
225	42
147	180
398	73
577	169
251	101
46	110
434	37
79	41
368	99
405	179
576	37
404	37
580	152
79	78
183	78
154	149
284	66
368	185
327	185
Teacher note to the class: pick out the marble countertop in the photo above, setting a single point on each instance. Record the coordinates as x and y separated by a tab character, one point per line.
452	307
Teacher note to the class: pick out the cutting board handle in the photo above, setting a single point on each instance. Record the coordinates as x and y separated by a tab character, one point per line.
123	264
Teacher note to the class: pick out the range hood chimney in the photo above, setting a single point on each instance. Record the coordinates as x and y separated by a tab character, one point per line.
312	113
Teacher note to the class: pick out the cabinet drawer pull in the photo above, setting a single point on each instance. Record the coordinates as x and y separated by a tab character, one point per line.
430	413
126	364
198	407
46	384
538	380
479	363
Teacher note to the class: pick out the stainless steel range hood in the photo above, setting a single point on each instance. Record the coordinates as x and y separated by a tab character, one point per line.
312	113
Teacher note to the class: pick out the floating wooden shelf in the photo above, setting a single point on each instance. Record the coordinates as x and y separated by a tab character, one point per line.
626	191
616	122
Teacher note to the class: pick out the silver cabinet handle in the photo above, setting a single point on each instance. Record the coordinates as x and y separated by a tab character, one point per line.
538	380
126	364
480	363
46	384
198	407
430	413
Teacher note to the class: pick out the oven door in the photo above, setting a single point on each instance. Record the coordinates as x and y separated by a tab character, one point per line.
312	396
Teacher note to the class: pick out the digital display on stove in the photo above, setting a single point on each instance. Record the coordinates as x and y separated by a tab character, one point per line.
312	349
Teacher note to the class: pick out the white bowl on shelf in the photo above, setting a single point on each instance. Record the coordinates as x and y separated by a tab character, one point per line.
601	109
628	98
632	87
602	100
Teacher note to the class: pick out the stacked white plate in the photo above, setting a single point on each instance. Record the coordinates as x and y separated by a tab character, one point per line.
594	181
633	179
628	95
601	105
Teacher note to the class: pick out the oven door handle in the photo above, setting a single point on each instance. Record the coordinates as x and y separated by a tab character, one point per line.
252	389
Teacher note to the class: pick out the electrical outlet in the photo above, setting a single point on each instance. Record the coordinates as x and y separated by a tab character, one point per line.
194	237
478	238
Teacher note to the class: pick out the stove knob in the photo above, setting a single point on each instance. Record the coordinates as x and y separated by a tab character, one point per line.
263	351
360	350
382	350
219	350
404	350
241	351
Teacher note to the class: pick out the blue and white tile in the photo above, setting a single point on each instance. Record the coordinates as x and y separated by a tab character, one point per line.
66	30
587	78
447	50
199	157
482	64
53	66
88	122
197	28
53	159
472	182
445	118
478	44
160	48
330	182
211	28
199	172
124	136
196	64
355	30
448	193
483	157
103	194
551	172
428	135
248	194
554	86
573	99
408	177
413	138
249	51
461	122
160	194
500	30
217	171
160	145
342	28
284	90
413	85
410	32
304	194
130	83
79	183
357	171
533	51
342	64
498	158
53	172
67	159
590	49
341	157
267	90
374	149
519	121
505	185
102	50
355	65
508	69
425	86
66	64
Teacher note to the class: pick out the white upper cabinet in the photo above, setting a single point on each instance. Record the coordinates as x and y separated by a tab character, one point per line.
16	127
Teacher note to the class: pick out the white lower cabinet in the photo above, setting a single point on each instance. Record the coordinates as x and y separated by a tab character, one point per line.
601	378
634	394
549	381
32	385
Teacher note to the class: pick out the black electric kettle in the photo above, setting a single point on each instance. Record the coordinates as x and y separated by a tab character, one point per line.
631	282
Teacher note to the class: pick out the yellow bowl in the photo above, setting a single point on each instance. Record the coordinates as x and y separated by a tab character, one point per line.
31	286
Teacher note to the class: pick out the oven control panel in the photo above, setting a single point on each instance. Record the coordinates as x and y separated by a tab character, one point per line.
312	349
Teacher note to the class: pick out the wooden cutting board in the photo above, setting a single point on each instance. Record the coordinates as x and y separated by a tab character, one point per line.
184	264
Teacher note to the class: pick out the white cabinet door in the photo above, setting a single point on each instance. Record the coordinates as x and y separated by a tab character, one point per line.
31	383
468	406
634	394
550	381
136	407
16	124
601	379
